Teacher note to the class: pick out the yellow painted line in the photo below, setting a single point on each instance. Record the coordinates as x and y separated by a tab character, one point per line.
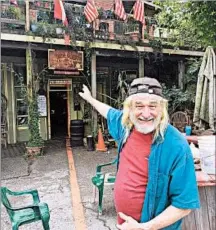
78	212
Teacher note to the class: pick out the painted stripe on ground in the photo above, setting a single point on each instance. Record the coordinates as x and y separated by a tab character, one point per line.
78	212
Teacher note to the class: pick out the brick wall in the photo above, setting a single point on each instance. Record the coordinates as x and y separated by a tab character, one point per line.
105	4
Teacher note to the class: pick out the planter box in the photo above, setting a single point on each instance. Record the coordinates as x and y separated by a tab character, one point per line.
135	36
59	31
34	27
145	40
32	152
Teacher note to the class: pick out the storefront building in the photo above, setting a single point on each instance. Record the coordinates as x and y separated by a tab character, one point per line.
61	68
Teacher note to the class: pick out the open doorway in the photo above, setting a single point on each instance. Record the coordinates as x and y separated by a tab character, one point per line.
58	114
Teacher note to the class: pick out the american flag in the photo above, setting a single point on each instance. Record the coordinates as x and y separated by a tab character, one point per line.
138	11
119	9
90	11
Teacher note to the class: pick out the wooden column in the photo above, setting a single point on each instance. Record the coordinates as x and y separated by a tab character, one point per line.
141	66
94	88
68	111
48	113
29	76
181	72
9	93
27	25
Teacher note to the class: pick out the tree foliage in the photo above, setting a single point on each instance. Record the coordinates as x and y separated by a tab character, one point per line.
184	100
191	23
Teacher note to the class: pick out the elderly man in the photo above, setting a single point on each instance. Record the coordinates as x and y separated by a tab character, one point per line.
155	184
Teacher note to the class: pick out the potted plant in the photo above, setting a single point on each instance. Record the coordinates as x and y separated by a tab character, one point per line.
43	29
34	26
46	27
35	144
14	12
132	29
101	13
135	36
59	29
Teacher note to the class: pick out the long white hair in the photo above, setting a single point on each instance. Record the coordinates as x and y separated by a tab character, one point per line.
162	124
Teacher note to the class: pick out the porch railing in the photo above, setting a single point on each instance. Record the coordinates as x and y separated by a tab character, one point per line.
37	18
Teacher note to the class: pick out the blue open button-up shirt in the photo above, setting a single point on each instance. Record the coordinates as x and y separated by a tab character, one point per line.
172	179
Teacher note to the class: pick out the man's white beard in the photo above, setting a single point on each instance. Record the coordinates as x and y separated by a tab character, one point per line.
145	129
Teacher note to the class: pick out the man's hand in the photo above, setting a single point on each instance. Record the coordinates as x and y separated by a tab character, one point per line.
99	106
86	95
131	224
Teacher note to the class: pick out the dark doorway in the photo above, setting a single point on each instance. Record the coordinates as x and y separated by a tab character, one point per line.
58	114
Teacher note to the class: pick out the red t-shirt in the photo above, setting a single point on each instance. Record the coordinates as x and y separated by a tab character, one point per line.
132	176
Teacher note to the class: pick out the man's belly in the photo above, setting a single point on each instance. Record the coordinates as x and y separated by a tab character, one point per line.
129	198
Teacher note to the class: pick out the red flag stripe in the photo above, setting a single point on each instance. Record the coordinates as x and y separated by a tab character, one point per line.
59	11
90	11
139	11
91	15
119	9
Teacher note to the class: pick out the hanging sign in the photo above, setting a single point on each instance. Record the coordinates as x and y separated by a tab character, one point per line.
62	72
65	60
60	85
60	82
42	106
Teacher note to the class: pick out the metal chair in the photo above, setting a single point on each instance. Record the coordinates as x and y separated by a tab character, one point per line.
179	120
26	214
102	179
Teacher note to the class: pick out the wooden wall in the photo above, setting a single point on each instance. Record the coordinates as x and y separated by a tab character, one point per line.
203	218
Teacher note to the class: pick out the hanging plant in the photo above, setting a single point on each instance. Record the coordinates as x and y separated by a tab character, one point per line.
156	44
35	138
88	54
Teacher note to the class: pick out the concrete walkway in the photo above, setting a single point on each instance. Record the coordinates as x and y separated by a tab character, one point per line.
85	163
51	176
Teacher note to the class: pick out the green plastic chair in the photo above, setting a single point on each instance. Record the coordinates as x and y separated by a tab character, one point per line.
100	180
27	214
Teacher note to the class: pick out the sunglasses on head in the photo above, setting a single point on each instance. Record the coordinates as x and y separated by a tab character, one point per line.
145	89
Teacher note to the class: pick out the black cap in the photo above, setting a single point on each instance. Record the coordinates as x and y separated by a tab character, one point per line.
145	85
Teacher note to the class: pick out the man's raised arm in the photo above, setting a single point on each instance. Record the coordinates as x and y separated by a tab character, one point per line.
99	106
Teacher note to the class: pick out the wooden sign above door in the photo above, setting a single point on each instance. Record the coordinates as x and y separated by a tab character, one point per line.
60	82
60	85
65	60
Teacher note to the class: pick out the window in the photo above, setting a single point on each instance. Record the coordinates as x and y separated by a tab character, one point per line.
104	27
20	85
119	27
